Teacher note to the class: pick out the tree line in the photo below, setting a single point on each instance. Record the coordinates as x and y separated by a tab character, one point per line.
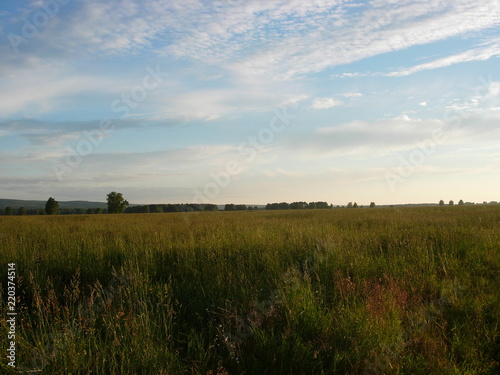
297	206
178	207
117	204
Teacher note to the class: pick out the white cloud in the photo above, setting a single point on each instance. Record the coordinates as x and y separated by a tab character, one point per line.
41	92
56	134
375	31
233	59
476	54
352	95
292	100
325	103
249	41
281	39
369	139
354	75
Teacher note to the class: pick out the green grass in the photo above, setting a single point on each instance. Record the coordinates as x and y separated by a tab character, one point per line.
347	291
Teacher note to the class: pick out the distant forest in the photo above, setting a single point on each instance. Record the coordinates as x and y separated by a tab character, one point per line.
161	208
71	208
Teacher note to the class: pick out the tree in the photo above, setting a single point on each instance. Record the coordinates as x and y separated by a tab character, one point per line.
51	207
441	202
461	202
298	205
116	203
451	203
355	205
349	205
23	211
372	204
230	207
9	211
172	208
319	205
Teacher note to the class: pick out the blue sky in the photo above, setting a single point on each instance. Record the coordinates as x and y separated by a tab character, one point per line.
250	101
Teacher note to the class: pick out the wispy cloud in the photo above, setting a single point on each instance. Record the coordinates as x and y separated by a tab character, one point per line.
89	27
300	37
352	95
251	41
325	103
54	134
375	31
229	63
475	54
39	86
385	136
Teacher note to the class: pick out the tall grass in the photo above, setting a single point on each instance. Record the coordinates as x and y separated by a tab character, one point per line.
358	291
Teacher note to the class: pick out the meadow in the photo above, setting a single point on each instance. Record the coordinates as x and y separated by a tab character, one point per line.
339	291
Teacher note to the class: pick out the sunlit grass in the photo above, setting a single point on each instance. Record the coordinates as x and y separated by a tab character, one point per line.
383	290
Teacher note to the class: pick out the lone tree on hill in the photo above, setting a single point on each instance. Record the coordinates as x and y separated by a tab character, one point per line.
116	203
441	202
51	207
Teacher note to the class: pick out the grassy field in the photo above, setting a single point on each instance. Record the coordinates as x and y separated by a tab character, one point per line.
343	291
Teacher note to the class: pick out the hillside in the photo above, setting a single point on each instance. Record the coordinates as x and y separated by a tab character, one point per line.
29	204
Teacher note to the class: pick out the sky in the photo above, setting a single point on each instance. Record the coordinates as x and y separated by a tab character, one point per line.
250	102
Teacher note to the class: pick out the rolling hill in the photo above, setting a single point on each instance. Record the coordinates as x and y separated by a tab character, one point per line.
32	204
